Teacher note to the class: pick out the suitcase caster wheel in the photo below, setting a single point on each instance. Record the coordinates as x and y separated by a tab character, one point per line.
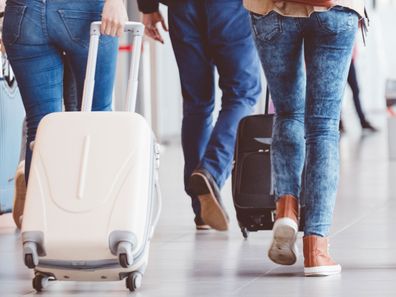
124	254
245	233
31	255
134	281
40	282
123	259
29	261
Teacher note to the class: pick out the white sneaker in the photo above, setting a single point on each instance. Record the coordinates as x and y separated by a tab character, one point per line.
283	249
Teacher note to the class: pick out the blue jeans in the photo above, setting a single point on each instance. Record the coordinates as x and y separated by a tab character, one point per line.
207	34
35	34
306	63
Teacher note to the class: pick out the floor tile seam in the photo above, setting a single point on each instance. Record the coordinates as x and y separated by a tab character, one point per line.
359	219
260	275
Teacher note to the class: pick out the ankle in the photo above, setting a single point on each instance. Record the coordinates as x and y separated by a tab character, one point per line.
316	251
287	207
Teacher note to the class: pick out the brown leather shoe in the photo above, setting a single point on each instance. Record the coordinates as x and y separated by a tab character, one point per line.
203	185
19	195
283	249
317	261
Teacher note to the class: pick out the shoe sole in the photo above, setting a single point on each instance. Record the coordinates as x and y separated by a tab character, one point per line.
19	199
322	270
283	249
202	227
211	211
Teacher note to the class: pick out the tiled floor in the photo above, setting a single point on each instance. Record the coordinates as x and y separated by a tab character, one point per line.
184	262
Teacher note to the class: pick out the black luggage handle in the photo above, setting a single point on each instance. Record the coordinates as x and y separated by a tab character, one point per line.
267	95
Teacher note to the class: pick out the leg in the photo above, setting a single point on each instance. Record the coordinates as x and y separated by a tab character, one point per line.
281	55
329	39
282	59
328	47
235	56
353	83
37	65
70	32
39	72
104	75
187	32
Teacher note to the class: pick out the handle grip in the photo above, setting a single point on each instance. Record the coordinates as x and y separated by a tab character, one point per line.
135	28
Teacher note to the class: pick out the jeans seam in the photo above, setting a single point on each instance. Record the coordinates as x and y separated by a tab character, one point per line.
44	19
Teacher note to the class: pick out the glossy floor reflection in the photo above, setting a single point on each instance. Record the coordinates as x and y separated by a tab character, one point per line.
184	262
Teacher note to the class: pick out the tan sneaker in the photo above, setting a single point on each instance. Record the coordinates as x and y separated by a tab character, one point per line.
19	194
317	261
283	249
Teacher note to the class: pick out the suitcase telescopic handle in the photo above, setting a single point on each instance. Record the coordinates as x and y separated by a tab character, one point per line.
267	99
137	30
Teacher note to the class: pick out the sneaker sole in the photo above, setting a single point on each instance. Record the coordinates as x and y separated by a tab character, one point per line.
202	227
322	270
283	249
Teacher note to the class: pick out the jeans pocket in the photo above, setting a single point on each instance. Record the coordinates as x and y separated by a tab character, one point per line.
78	23
266	27
337	19
13	18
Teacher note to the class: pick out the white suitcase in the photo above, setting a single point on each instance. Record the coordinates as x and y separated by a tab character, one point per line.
93	198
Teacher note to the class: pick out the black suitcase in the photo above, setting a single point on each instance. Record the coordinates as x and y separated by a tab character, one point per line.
252	188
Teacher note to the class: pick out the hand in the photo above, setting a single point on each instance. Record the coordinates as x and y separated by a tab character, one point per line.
114	16
150	21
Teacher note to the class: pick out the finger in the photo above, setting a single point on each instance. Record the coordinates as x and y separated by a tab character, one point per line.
150	33
107	30
120	30
113	28
164	26
103	27
158	35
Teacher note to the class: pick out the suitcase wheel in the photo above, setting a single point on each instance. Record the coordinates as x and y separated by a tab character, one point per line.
29	262
31	256
125	257
245	232
40	282
134	281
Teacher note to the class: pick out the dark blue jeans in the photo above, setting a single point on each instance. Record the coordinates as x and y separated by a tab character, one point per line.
35	34
306	62
206	34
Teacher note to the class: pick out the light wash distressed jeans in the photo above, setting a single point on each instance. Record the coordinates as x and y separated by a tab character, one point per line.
306	63
35	34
